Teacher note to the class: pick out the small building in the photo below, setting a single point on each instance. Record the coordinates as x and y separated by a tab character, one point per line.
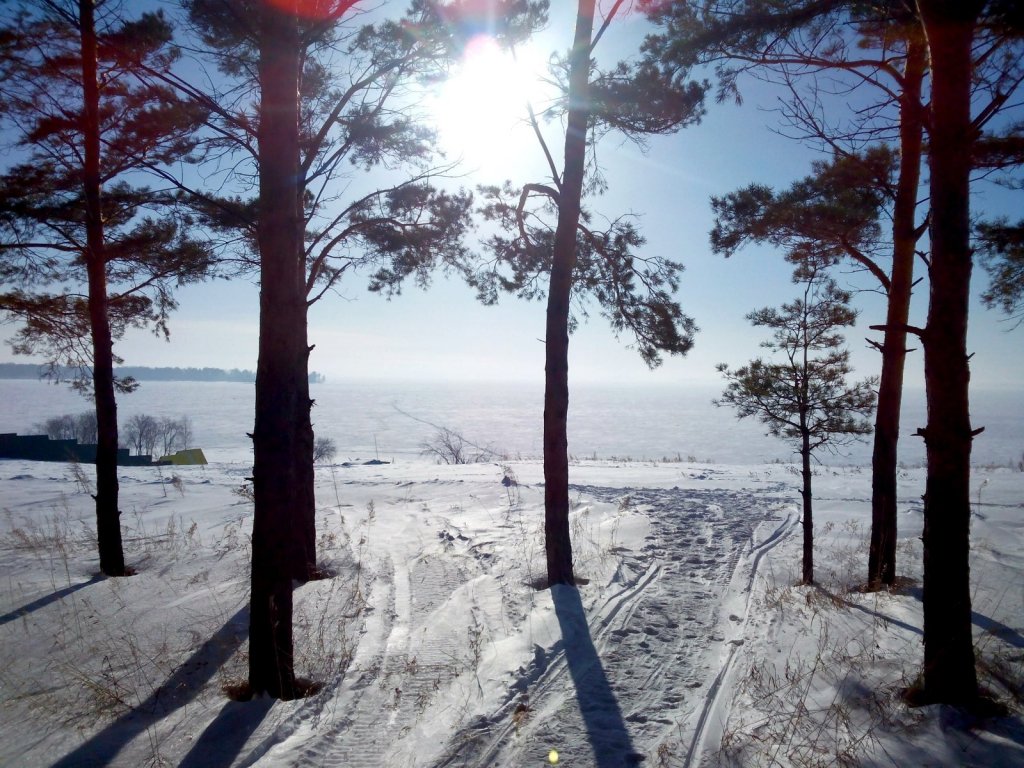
42	448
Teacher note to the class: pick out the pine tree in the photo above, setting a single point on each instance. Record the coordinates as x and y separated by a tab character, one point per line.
882	46
557	541
950	676
1000	241
546	230
975	63
88	250
835	216
316	100
804	397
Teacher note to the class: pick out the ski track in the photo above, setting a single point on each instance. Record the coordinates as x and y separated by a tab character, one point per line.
661	663
406	654
355	731
715	706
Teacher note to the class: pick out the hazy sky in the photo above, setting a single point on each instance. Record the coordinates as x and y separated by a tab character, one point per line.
445	334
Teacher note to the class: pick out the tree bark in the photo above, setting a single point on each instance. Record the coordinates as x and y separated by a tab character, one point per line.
108	523
949	671
882	549
278	392
304	557
807	570
558	545
304	531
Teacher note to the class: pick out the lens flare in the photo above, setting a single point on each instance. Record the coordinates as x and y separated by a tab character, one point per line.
315	9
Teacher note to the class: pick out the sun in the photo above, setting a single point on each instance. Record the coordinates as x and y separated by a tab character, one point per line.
480	110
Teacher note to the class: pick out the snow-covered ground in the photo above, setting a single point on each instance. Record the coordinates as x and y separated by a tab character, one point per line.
688	644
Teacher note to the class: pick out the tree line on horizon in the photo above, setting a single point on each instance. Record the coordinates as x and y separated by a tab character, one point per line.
303	120
139	373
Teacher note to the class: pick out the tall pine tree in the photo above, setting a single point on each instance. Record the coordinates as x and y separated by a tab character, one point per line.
89	252
950	676
314	100
546	230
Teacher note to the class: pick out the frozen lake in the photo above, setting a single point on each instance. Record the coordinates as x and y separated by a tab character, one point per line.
387	419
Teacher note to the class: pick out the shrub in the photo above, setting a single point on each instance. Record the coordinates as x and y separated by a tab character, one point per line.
324	449
449	447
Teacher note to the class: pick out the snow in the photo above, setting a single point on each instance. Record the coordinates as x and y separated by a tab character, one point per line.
688	645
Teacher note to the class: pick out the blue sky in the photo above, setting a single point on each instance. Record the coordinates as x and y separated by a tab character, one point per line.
445	334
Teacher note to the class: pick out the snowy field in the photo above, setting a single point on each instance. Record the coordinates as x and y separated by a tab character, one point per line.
689	645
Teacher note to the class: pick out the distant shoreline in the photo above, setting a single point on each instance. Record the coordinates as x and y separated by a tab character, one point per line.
27	371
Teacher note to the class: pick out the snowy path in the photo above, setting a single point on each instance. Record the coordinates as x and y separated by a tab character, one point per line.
708	727
646	672
408	655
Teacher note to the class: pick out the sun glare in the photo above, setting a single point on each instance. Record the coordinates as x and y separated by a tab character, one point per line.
480	110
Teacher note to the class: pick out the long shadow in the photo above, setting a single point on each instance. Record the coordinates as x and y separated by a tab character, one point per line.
1007	634
877	614
44	601
178	690
602	717
223	739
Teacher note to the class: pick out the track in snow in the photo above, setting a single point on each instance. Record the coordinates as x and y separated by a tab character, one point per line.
408	653
655	674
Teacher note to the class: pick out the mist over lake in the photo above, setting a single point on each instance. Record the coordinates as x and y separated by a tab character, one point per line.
390	420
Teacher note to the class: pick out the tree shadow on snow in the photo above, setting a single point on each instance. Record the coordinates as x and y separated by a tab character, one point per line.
44	601
1007	634
889	620
223	739
177	691
602	717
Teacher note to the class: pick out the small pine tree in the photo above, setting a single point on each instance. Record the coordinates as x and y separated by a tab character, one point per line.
804	397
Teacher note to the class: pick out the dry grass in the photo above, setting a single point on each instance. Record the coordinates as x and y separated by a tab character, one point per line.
827	703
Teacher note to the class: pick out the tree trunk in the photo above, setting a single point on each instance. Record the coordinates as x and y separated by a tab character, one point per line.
558	545
949	671
304	502
305	494
807	571
108	523
882	551
282	310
